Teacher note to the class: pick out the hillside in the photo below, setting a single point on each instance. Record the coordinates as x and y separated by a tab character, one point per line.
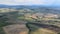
37	19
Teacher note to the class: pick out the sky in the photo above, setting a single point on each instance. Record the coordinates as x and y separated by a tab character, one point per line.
30	2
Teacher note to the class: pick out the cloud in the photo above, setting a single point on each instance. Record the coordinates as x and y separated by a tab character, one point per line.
29	2
8	2
34	1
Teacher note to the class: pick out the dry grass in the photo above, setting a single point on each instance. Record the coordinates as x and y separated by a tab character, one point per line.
16	29
43	31
23	32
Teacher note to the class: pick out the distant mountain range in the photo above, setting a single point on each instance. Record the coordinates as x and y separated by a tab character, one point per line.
25	6
35	8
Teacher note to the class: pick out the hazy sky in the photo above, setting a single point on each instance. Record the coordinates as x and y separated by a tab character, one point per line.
30	2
